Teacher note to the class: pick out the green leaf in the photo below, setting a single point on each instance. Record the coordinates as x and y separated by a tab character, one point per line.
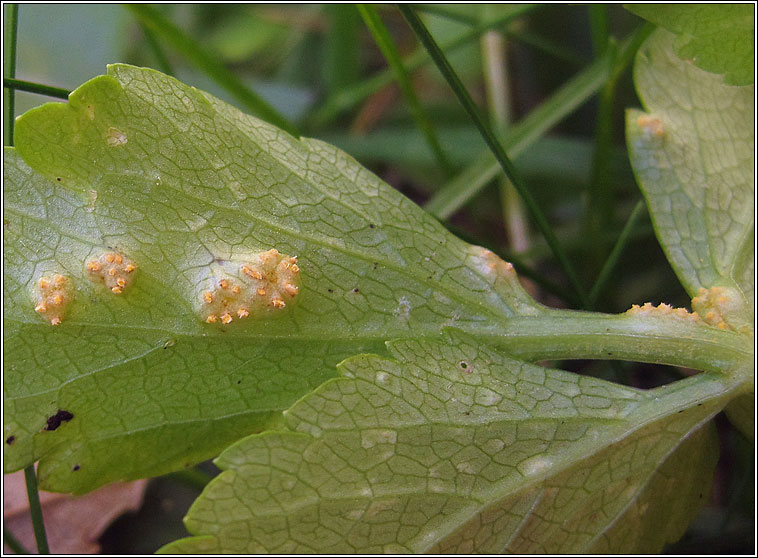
718	38
741	412
449	446
693	156
190	190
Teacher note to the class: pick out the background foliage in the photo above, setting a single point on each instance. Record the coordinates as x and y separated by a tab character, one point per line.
315	65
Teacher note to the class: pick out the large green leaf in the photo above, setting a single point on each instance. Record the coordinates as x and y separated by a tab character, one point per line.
693	153
189	190
452	447
715	37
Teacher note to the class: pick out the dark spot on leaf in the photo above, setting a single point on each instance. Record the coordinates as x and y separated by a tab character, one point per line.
239	382
57	419
330	290
376	264
10	440
58	178
465	366
355	290
76	468
371	225
467	413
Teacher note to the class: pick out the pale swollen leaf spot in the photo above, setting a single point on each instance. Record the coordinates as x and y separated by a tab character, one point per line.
662	309
262	284
115	270
115	137
51	296
651	126
717	304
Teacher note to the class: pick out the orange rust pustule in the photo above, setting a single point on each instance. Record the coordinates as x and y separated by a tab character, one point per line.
115	270
52	295
264	284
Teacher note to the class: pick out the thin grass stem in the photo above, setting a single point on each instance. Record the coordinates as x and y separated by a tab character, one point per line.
201	59
598	15
458	191
351	96
494	143
11	38
388	48
39	88
438	10
341	64
496	80
164	65
35	510
615	255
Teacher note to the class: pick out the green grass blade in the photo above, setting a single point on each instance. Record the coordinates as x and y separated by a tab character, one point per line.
197	55
522	135
30	476
11	36
548	46
492	141
39	88
388	48
598	14
560	52
453	195
615	255
351	96
601	190
341	61
439	10
35	509
13	543
160	57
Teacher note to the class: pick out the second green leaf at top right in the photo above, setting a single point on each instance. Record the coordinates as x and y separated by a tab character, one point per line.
692	153
717	38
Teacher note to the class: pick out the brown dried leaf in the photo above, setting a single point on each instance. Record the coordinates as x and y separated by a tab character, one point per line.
73	523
